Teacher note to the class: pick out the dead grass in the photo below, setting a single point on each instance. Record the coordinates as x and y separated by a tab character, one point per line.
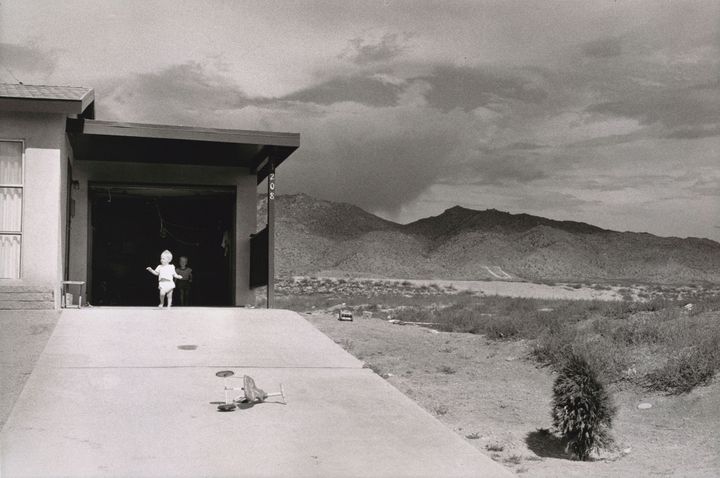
661	343
513	459
494	447
680	348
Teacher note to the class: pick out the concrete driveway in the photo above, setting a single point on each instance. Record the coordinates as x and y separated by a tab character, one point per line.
131	392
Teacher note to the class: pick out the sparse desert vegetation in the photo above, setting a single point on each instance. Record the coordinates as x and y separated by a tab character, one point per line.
669	343
658	344
485	365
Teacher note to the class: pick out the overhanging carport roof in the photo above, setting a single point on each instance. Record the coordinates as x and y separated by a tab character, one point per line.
96	140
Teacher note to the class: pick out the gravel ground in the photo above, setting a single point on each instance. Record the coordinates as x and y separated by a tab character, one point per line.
23	335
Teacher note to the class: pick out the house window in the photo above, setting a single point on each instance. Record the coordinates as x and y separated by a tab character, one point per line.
11	194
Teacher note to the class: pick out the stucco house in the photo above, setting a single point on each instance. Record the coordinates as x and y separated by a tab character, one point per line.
95	202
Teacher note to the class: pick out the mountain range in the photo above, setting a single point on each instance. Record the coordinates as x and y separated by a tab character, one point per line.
318	237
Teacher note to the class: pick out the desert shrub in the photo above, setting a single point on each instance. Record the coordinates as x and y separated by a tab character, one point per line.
685	332
626	294
688	368
638	329
582	410
560	337
554	344
504	327
446	369
681	373
605	356
508	318
414	314
653	305
705	304
459	320
440	409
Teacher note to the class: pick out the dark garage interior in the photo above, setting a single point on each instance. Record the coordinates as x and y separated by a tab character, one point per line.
132	225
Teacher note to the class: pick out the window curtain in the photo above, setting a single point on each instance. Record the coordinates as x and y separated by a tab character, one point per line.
11	163
9	256
10	208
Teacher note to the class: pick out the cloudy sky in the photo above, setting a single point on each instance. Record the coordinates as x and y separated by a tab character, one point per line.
606	112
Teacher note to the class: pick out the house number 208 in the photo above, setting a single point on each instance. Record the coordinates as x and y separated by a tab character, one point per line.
271	186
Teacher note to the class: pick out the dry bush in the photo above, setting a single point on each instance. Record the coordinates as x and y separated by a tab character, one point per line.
694	360
582	410
447	370
495	446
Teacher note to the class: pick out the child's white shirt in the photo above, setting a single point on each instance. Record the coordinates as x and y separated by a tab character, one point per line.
166	272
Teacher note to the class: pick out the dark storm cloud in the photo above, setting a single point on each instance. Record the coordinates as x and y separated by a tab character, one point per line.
496	168
360	89
673	108
450	87
706	186
19	59
174	94
602	48
608	183
468	88
522	145
552	201
388	47
508	169
370	160
694	133
612	139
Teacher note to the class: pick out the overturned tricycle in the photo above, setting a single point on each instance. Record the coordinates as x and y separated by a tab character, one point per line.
251	393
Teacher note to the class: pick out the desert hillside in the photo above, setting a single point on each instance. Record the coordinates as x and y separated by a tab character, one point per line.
316	237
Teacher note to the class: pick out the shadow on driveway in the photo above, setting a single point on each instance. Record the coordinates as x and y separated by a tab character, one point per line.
23	338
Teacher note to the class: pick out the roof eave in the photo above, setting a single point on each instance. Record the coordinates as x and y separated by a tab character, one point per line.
39	105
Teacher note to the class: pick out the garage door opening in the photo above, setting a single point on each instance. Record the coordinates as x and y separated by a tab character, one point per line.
132	225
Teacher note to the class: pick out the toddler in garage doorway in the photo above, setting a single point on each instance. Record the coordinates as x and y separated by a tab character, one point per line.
183	285
166	275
